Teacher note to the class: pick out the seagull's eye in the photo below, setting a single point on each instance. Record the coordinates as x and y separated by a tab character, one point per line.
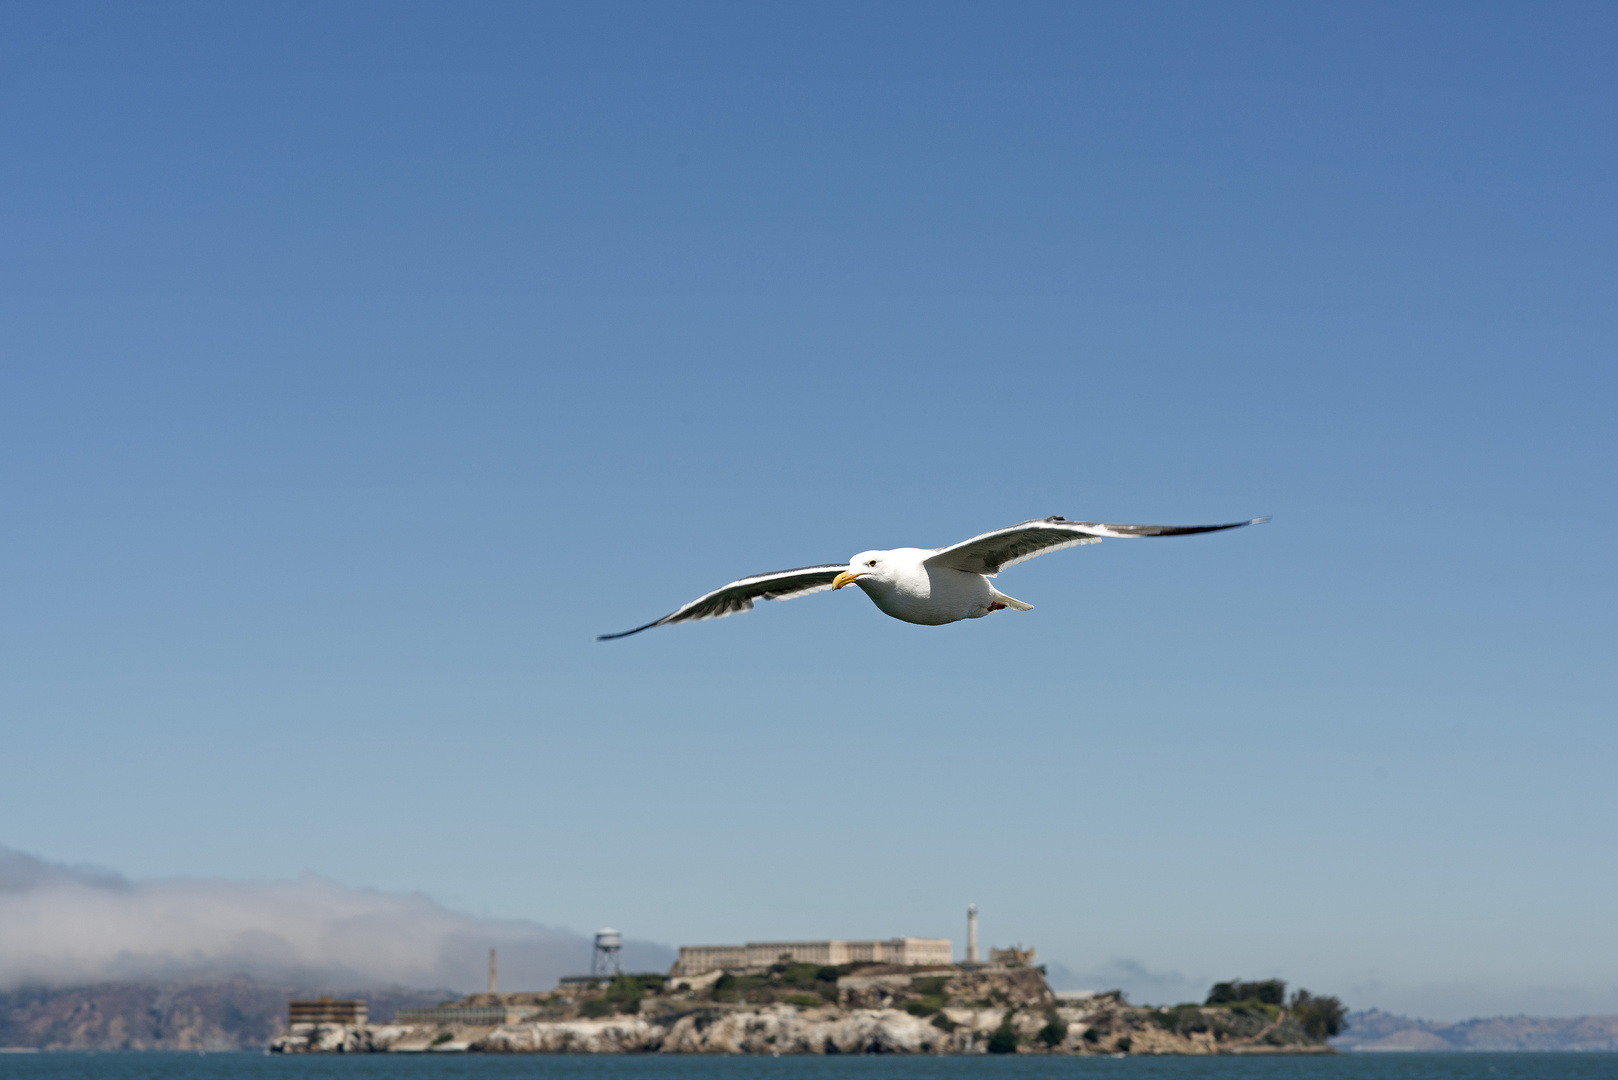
871	563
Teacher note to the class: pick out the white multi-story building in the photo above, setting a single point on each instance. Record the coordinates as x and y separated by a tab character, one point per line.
910	951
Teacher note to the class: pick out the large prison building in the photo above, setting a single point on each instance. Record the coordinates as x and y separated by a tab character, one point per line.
911	951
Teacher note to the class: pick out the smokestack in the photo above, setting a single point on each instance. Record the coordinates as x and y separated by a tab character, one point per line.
493	985
971	933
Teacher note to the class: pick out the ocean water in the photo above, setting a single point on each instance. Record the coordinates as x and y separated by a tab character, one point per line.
245	1066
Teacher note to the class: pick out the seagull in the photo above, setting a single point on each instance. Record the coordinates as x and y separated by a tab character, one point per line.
928	586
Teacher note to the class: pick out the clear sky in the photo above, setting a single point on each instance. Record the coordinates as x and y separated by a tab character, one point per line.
358	363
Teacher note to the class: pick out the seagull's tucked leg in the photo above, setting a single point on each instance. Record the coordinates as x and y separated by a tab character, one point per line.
1001	600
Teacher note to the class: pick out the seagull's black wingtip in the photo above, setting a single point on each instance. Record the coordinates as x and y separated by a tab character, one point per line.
626	633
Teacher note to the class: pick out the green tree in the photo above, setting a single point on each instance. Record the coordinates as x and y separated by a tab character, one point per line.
1004	1040
1054	1033
1266	991
624	993
1322	1016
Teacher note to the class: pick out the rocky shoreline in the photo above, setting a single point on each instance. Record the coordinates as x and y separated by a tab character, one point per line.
906	1011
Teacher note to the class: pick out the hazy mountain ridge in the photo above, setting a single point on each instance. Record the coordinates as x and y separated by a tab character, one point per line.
229	1014
1375	1030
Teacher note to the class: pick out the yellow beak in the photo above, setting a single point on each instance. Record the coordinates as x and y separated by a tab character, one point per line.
847	577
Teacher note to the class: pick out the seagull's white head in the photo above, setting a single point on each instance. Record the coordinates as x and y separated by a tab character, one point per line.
868	568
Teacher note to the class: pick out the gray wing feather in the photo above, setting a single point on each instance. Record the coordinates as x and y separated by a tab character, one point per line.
995	551
738	596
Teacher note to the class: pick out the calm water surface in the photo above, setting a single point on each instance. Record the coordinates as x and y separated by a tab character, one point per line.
160	1066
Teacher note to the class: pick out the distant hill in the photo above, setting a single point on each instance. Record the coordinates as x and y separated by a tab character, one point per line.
1375	1030
225	1014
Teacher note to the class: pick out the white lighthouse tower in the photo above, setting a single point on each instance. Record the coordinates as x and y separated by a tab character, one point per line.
971	933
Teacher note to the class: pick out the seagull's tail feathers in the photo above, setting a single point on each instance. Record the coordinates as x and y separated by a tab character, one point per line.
1012	602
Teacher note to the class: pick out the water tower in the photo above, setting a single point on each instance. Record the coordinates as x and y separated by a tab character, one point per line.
606	962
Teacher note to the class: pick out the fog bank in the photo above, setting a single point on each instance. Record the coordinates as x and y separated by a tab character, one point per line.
64	925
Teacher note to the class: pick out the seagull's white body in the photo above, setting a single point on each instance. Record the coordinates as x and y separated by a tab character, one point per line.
929	595
928	586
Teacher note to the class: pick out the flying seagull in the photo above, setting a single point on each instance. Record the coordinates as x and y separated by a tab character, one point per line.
930	586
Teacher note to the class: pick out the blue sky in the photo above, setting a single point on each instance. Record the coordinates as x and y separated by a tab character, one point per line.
360	363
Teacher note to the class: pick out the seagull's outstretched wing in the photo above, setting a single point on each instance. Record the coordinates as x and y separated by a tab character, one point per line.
994	551
739	595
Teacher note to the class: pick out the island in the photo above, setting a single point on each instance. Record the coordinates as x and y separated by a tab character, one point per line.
853	1008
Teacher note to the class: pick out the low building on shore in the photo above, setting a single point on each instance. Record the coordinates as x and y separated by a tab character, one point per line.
325	1010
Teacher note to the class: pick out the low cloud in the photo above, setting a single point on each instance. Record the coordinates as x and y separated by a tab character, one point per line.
66	925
